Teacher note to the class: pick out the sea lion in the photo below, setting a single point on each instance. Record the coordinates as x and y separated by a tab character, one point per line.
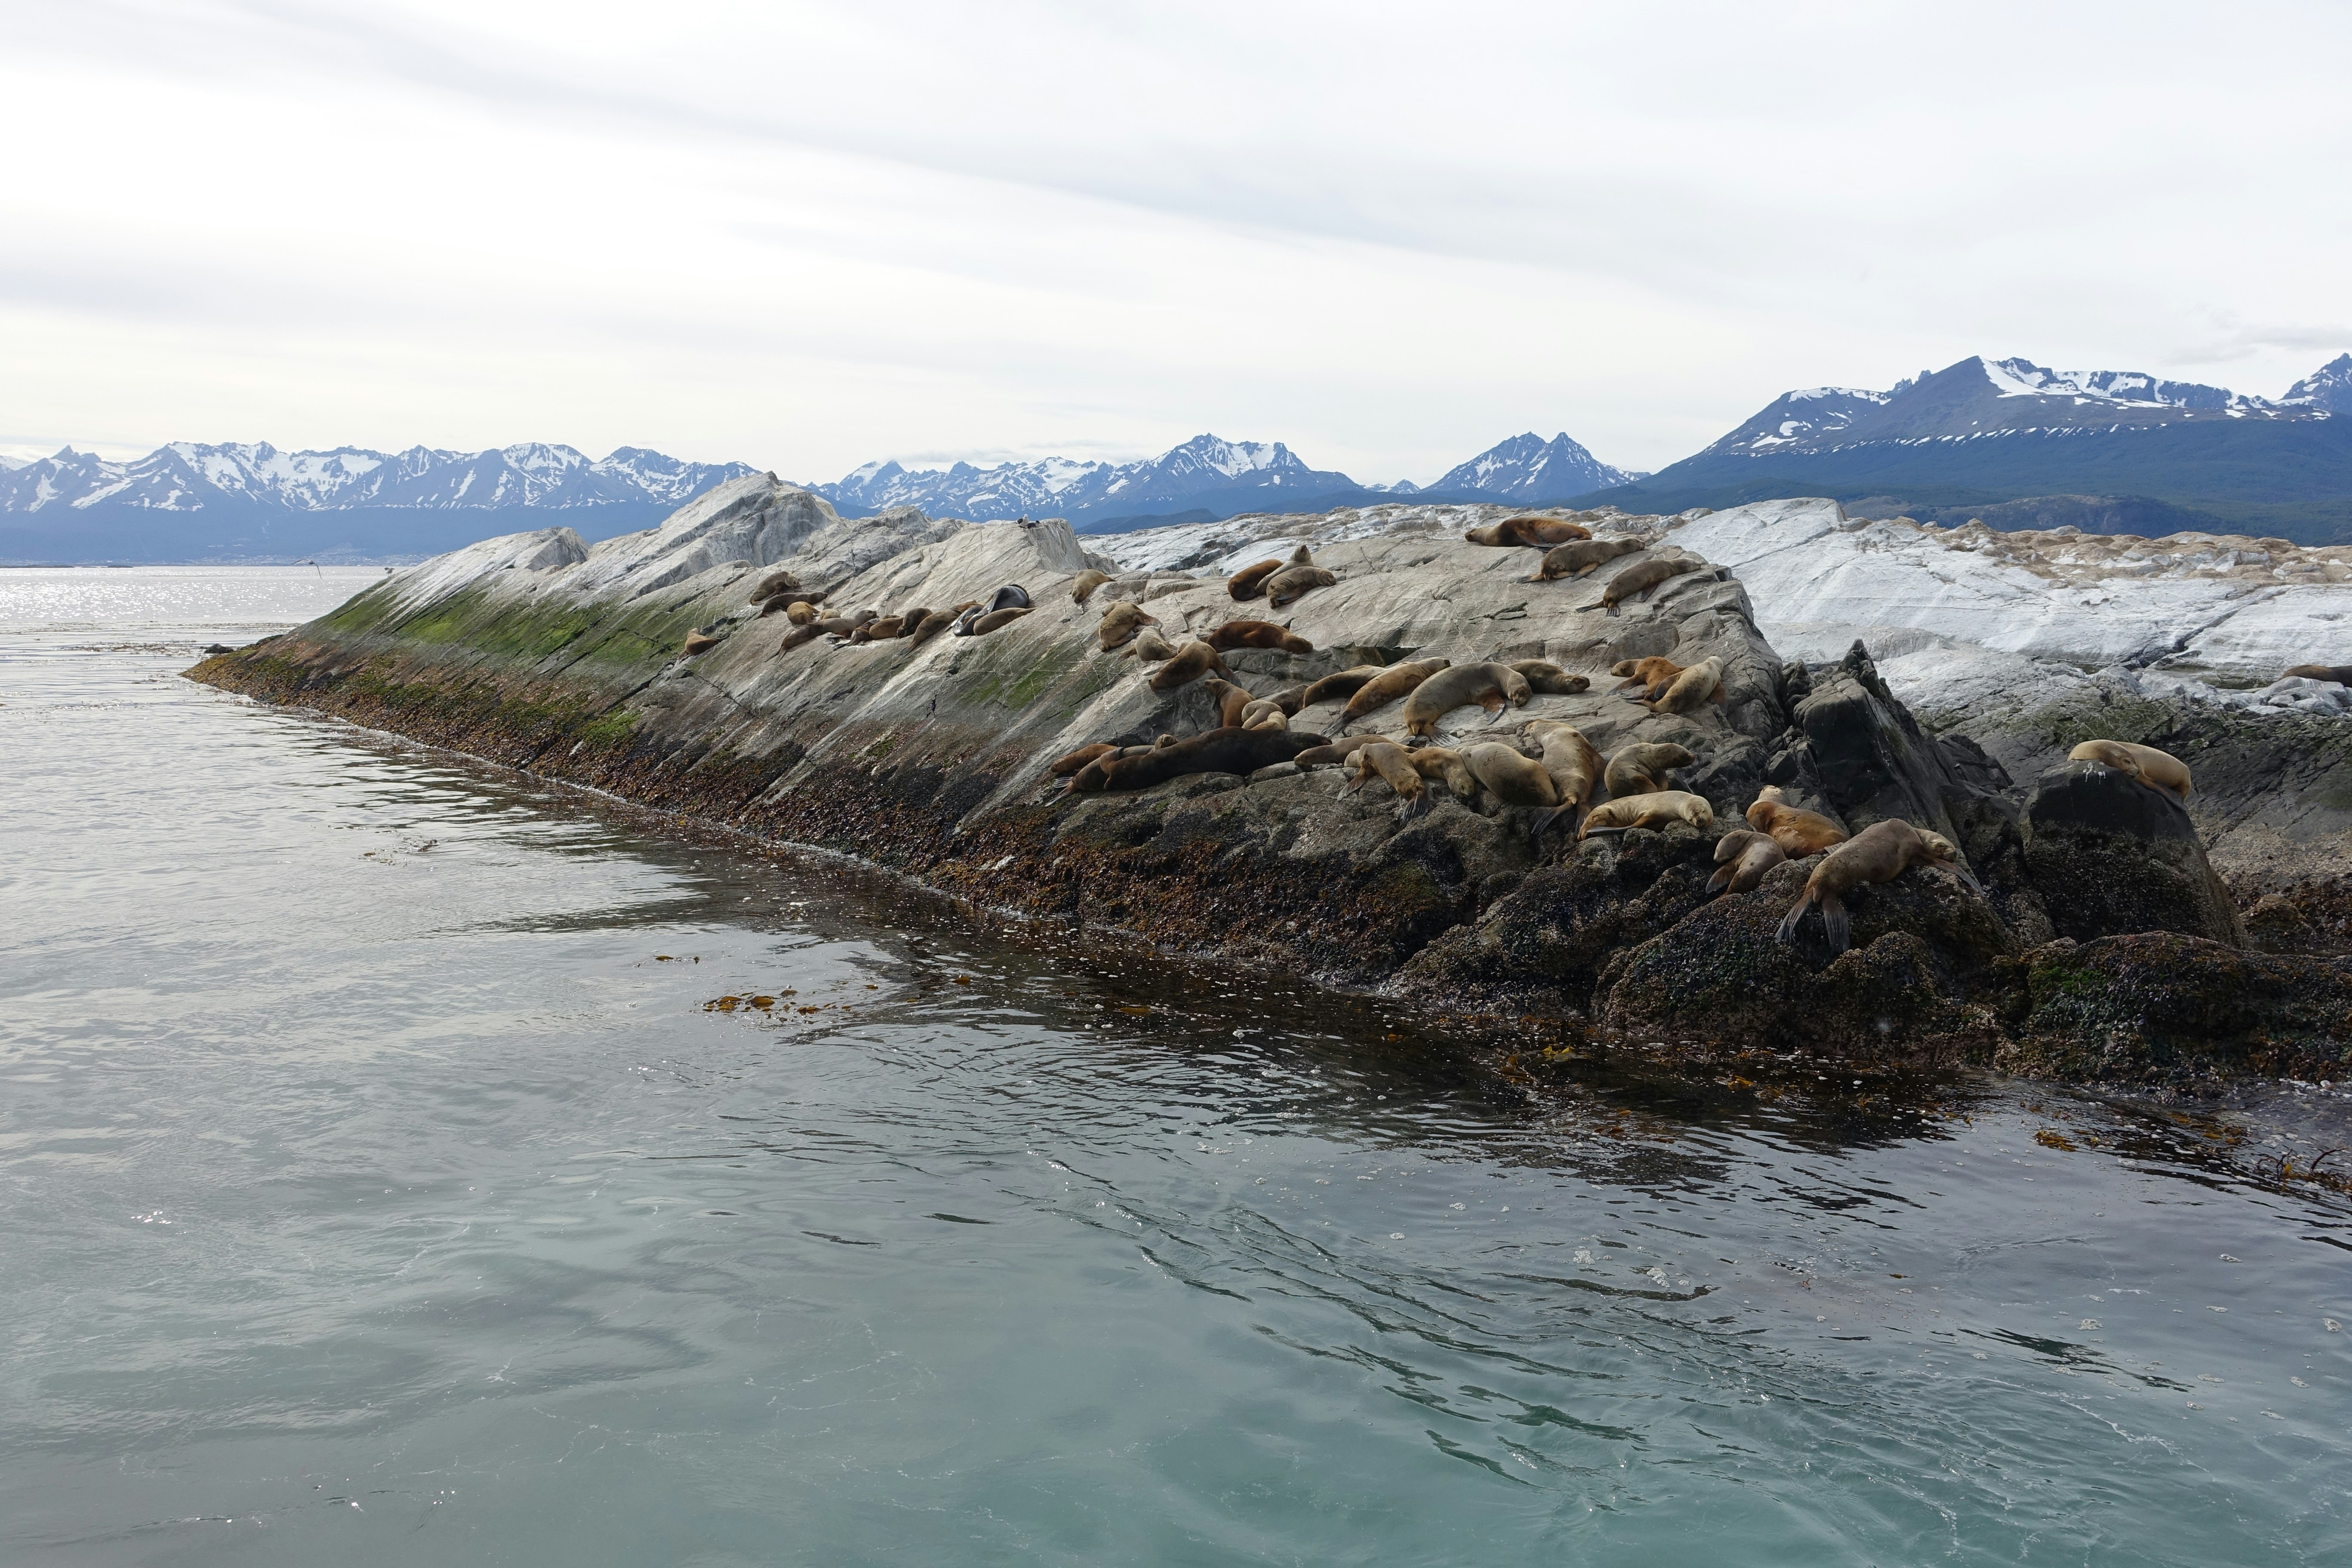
1346	683
1490	686
910	620
1381	759
1879	853
1650	674
1574	764
791	602
800	612
2158	770
1290	699
2339	673
1548	679
1065	766
1149	647
988	623
1264	714
1450	767
882	630
1741	859
700	642
1516	778
1396	680
1700	682
1221	751
1335	751
1087	582
1011	596
1643	575
1797	831
1643	769
777	582
1230	700
1194	660
1257	634
838	625
1121	622
1249	583
1648	811
932	625
1579	556
806	633
1541	533
1292	583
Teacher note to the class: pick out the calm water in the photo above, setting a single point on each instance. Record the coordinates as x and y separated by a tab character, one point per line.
378	1186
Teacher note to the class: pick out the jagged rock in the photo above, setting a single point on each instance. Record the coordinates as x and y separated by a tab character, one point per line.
1872	759
2163	1007
2109	856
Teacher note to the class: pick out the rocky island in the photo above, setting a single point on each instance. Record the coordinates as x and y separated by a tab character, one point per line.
2078	920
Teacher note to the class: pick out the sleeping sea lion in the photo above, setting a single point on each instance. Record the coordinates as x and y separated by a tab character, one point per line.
1292	583
1149	647
2339	673
1230	700
838	625
1265	714
1490	686
1011	596
1741	859
1065	766
1643	769
1382	760
1797	831
1450	768
1700	682
1347	683
800	612
700	642
1651	674
1574	764
1249	583
1122	621
1396	680
1290	699
2158	770
1879	853
931	626
1548	679
882	630
1516	778
1194	660
1648	811
1579	556
806	633
1539	532
1257	634
1087	582
1220	751
777	582
791	602
988	623
1643	575
1323	756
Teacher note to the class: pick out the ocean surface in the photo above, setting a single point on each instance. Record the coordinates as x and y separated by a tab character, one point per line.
404	1161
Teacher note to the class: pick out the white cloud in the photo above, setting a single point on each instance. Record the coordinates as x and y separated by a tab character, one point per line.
811	234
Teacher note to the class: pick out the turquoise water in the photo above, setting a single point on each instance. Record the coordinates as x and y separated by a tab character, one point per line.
377	1185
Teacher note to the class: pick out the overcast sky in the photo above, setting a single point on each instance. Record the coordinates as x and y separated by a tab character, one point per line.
810	235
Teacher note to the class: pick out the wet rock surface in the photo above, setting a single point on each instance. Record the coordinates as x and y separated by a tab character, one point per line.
930	756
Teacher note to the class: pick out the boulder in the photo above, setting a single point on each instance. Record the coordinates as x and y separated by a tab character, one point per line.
2108	856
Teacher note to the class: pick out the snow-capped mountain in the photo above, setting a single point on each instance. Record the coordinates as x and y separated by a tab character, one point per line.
1206	472
188	476
1528	469
2328	387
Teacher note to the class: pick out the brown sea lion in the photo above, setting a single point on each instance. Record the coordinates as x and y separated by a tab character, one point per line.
1213	751
792	602
2158	770
995	618
1516	778
1149	647
1257	634
1292	583
2339	673
932	625
1380	759
1648	811
1547	679
883	630
1641	769
777	582
1643	575
1194	660
1249	583
910	620
1700	682
1653	675
799	635
1396	680
1087	582
1346	683
1449	767
800	612
1490	686
1879	853
1574	764
1335	751
838	625
1264	714
1230	700
700	642
1577	558
1065	766
1538	532
1290	699
1122	621
1741	859
1796	830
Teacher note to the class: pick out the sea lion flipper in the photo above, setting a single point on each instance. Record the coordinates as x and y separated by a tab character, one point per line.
1722	878
1834	922
1787	935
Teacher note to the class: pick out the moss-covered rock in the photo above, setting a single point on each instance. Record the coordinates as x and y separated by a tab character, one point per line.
2109	856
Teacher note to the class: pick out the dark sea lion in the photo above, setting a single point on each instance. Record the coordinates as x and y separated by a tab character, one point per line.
799	635
1256	634
1797	831
1394	681
1741	859
1011	596
1121	622
1548	679
1643	575
1087	582
884	629
1381	759
1490	686
1643	769
1065	766
1336	751
983	624
1579	556
1516	778
835	626
777	582
1194	660
910	620
1648	811
2339	673
2158	770
1290	699
932	625
700	642
1574	764
792	602
1294	583
1347	683
1541	533
1249	583
1230	700
1879	853
1698	683
1221	751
